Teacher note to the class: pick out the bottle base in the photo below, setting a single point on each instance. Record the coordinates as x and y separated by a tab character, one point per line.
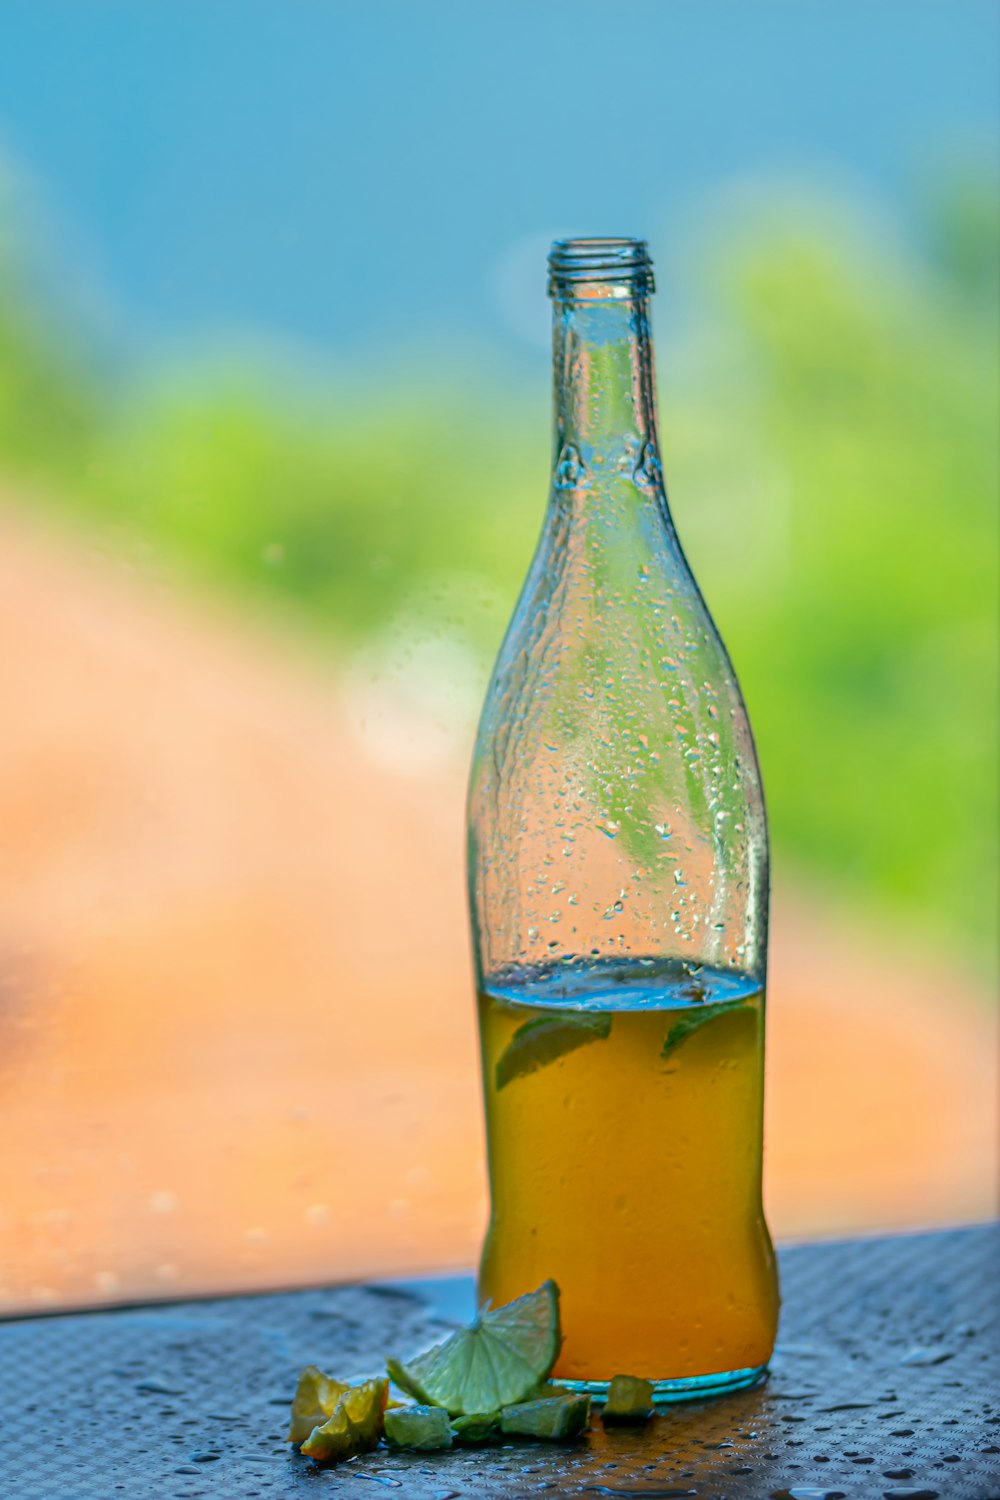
687	1388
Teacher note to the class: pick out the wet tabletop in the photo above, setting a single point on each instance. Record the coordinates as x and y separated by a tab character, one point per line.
886	1382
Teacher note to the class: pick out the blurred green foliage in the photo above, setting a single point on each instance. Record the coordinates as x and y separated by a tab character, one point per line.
50	405
831	436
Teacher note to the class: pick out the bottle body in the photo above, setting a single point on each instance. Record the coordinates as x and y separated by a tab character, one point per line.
618	889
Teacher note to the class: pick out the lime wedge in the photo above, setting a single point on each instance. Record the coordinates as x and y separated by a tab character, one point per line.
355	1425
553	1418
629	1400
314	1401
418	1427
478	1428
542	1041
692	1022
496	1362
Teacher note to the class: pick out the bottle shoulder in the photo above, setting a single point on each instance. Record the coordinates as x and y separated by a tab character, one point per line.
614	632
615	795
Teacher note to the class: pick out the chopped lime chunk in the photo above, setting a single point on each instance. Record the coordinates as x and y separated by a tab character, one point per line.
552	1418
477	1428
542	1041
548	1388
629	1400
498	1361
694	1020
313	1403
355	1425
418	1427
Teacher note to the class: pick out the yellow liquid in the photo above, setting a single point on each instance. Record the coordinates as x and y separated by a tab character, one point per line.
634	1179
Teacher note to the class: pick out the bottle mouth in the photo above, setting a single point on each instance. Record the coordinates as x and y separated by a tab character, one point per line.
599	268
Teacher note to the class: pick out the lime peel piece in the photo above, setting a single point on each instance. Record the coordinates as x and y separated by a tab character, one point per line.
315	1399
694	1021
547	1038
506	1353
355	1425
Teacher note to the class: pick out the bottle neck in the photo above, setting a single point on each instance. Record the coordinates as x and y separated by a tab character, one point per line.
604	400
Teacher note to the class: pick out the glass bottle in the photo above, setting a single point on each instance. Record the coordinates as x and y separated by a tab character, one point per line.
618	884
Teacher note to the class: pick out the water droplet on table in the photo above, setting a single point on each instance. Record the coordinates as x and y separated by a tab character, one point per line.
931	1354
626	1494
807	1492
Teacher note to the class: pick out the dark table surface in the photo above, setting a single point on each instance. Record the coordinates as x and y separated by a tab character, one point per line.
885	1382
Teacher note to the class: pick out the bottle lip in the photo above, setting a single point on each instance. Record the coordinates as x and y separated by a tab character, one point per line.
610	267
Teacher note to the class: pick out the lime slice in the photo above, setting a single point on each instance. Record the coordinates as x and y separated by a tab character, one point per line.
553	1418
478	1428
629	1400
542	1041
690	1023
418	1427
354	1426
496	1362
314	1401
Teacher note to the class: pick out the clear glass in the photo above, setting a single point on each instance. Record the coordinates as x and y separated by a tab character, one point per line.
618	883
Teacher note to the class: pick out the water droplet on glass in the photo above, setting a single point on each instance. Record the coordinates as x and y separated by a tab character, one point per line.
647	471
570	469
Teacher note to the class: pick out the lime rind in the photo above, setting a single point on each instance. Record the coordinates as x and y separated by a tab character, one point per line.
333	1441
355	1425
545	1039
407	1381
695	1020
315	1399
497	1362
552	1419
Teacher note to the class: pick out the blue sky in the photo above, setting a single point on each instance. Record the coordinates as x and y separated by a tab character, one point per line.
342	174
